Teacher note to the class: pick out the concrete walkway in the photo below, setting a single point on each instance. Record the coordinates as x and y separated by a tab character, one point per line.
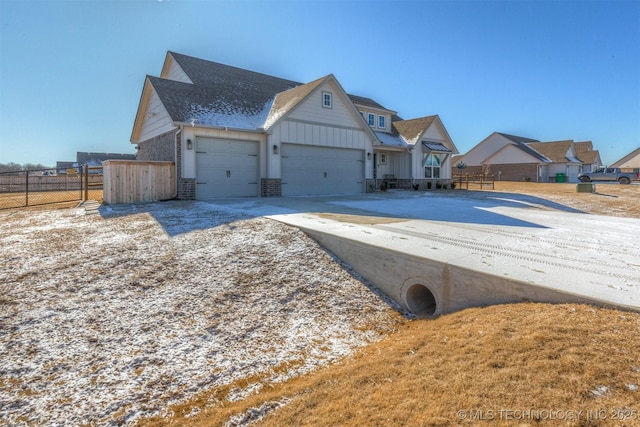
440	253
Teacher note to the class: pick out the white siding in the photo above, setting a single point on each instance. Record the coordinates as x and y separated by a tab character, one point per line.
189	156
485	149
173	71
341	114
510	155
156	120
435	134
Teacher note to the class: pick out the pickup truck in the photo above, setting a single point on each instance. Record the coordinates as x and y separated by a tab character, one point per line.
623	176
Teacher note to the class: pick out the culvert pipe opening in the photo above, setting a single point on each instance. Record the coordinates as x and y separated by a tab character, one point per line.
421	300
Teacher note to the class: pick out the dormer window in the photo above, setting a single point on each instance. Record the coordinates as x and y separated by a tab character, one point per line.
326	99
381	122
371	119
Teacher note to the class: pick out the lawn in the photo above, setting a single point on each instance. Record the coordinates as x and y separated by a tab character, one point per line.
182	313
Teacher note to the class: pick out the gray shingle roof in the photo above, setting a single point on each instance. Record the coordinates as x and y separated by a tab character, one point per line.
523	144
410	129
367	102
518	139
222	95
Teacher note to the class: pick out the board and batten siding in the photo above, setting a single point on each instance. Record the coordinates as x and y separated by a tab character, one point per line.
132	181
341	113
156	120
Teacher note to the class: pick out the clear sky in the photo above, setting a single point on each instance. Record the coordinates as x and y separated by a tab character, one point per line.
71	72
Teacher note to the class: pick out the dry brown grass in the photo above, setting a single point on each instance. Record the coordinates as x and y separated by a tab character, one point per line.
609	199
567	364
485	362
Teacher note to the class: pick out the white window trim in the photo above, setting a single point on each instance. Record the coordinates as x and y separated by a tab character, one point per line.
369	116
384	120
324	94
383	158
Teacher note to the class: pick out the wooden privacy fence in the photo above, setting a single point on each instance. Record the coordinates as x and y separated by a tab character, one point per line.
132	181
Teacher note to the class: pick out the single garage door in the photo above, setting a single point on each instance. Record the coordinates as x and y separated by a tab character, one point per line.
226	168
309	170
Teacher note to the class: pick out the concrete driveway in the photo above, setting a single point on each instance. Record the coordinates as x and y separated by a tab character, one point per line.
436	253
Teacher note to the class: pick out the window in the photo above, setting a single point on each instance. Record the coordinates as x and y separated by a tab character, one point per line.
326	99
383	158
432	166
371	119
381	122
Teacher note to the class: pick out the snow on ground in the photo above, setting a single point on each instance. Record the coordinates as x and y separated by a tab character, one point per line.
108	318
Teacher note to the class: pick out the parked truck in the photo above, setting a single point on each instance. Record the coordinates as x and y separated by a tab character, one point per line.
623	176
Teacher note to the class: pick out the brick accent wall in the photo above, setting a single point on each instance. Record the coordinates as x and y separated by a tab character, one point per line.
371	185
509	172
159	148
271	187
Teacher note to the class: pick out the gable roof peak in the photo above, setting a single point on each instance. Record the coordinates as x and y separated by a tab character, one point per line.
518	139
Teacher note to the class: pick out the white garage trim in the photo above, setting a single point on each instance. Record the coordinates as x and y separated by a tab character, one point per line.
313	170
226	168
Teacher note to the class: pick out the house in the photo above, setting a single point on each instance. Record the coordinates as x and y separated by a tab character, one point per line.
631	160
516	158
590	158
233	132
96	159
91	159
563	160
507	157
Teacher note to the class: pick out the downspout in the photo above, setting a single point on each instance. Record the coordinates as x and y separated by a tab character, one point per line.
175	156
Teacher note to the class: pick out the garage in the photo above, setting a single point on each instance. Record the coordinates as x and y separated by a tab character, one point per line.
313	170
226	168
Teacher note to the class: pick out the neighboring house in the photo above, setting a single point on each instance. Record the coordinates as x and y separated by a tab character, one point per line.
507	157
96	159
516	158
62	166
631	160
562	160
590	158
91	159
234	132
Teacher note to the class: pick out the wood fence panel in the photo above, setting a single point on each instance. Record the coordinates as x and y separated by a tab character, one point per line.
132	181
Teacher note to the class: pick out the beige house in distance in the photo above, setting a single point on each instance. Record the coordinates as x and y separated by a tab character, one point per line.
631	160
516	158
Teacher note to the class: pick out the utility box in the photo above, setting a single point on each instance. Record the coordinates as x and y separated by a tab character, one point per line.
586	187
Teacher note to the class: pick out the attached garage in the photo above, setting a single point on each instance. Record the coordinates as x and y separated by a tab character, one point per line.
313	170
226	168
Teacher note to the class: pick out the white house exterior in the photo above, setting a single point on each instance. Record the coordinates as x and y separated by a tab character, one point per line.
236	133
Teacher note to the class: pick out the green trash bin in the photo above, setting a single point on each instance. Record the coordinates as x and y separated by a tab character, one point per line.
560	177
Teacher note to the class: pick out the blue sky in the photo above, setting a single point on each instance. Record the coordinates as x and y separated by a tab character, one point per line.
71	72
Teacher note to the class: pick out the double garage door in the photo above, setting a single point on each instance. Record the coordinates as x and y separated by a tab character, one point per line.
312	170
230	169
226	168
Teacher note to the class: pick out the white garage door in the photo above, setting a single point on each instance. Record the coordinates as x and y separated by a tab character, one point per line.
226	168
309	170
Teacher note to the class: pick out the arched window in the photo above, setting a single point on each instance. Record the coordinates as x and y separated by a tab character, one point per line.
432	166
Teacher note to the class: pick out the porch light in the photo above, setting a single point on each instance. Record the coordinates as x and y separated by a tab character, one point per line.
189	144
369	156
275	149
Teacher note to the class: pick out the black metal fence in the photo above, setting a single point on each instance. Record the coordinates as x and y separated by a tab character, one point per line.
46	186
